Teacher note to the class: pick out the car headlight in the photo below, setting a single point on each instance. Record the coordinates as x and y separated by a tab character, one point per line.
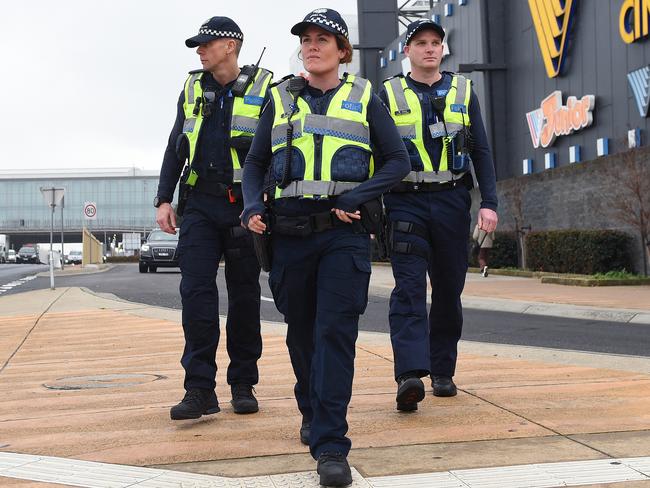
144	248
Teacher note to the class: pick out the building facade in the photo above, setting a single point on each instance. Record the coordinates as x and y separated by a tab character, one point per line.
557	84
564	89
119	200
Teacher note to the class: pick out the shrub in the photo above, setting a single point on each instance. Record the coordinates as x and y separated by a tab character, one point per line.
578	251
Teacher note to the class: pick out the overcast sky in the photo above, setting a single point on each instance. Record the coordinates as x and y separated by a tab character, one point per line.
89	84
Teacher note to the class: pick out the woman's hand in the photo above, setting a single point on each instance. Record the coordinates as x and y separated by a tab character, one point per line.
255	224
347	217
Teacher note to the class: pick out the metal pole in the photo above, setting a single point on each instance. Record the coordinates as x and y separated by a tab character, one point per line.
62	253
51	253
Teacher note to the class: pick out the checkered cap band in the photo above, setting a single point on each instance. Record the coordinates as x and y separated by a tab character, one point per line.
218	33
320	20
418	25
408	36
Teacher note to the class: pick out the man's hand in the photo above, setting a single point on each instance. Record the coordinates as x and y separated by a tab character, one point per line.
347	217
487	220
255	224
166	218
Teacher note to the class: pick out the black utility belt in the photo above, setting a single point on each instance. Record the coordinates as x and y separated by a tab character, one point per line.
303	226
409	186
232	192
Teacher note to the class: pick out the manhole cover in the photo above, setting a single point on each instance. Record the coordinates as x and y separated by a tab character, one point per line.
102	381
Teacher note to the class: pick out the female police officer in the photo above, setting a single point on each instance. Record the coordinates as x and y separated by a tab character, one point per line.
317	138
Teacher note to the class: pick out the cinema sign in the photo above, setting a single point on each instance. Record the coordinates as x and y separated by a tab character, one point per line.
633	20
553	119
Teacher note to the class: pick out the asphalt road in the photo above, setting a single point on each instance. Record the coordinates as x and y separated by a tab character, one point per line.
161	289
14	276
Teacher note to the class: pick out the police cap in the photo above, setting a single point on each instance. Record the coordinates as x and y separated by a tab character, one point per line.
420	25
325	18
215	28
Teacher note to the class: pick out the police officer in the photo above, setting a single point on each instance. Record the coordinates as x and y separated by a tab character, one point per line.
439	119
216	119
317	139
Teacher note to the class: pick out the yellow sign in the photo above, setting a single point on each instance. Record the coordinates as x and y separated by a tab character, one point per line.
552	19
633	20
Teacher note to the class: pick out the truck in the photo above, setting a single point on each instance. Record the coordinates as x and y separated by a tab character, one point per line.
70	247
4	247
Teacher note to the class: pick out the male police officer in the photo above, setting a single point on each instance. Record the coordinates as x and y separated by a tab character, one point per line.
439	119
217	115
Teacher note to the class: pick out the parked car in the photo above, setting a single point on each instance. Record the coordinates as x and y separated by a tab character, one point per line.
11	256
28	254
159	251
74	257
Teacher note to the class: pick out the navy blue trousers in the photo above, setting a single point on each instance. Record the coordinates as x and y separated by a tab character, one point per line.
209	231
421	343
320	285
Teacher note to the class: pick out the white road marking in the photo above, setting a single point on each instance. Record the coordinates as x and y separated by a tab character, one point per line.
14	284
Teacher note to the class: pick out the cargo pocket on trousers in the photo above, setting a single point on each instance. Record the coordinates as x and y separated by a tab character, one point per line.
362	265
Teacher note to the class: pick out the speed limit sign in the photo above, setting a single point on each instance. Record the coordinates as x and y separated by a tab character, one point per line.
90	210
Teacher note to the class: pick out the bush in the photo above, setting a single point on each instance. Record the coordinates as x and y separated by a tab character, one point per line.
503	254
578	251
122	259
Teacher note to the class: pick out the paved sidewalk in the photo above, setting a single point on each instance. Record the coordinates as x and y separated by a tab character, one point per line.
90	378
530	295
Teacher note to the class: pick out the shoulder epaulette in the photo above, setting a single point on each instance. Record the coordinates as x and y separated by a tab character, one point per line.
195	71
399	75
264	69
281	80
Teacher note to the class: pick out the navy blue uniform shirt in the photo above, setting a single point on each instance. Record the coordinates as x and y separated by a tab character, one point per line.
384	140
481	156
211	149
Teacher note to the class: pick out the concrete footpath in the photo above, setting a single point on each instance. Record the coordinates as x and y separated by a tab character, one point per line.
86	383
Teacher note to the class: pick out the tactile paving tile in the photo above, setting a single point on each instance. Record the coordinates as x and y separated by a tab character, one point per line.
90	474
548	475
99	475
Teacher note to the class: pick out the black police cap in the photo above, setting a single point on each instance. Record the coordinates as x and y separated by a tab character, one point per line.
422	24
325	18
216	28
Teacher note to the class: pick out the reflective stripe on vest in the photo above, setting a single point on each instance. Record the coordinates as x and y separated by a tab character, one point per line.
430	177
246	114
243	122
406	110
300	188
343	126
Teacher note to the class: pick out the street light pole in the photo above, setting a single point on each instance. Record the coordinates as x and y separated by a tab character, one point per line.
52	196
62	253
51	254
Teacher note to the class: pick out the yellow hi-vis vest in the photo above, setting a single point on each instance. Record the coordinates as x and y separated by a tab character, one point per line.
406	111
331	153
243	122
